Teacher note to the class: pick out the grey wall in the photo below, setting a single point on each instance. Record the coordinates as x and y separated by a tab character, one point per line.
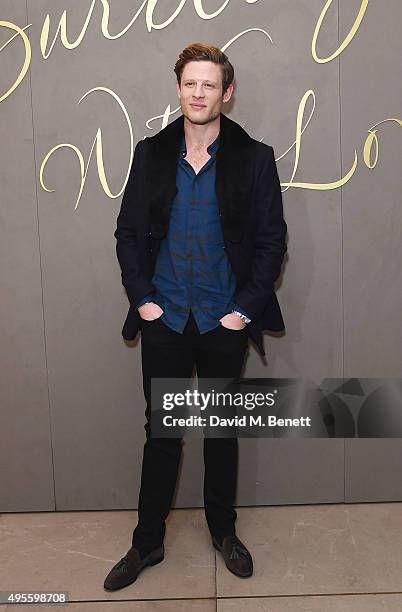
72	409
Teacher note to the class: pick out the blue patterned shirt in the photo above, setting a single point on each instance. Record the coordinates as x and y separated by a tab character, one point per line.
192	271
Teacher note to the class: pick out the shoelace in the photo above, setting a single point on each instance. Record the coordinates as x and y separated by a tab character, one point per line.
236	549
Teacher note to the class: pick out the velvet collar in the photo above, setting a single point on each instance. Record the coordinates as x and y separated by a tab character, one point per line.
233	175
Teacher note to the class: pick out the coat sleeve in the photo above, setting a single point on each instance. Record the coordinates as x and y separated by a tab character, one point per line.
127	246
269	245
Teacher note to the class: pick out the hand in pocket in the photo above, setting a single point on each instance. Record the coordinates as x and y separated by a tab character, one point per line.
150	311
232	321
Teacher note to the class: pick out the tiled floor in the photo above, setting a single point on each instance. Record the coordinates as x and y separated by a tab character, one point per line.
322	558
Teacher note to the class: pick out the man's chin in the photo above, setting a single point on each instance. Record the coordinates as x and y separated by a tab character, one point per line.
199	120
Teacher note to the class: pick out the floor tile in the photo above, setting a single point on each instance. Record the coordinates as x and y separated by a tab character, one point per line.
321	549
74	551
335	603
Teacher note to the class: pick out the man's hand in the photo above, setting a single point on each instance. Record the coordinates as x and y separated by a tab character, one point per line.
232	321
150	311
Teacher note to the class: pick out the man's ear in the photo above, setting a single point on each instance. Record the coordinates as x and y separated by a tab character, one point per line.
178	90
228	93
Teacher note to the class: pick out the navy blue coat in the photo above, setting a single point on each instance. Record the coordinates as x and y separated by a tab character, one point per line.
251	212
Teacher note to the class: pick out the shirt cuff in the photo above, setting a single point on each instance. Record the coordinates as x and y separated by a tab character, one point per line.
241	310
148	298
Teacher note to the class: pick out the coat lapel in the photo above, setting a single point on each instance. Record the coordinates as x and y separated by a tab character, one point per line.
233	176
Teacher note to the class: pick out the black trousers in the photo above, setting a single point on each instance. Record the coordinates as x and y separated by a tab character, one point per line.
168	354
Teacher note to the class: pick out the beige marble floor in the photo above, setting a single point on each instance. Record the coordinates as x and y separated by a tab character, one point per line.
329	557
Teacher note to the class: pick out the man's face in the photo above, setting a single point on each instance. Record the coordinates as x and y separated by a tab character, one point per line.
200	92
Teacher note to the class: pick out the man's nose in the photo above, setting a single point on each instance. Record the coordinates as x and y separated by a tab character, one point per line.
199	91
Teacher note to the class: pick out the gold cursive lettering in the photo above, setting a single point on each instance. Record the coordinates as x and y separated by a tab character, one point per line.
315	186
348	39
149	20
99	153
201	13
62	28
28	54
372	137
150	11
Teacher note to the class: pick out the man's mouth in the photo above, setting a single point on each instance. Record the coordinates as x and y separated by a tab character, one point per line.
198	105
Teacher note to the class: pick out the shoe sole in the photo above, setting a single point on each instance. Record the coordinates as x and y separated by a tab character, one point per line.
155	557
230	569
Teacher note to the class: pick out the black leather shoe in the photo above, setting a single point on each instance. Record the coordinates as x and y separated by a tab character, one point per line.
236	556
125	572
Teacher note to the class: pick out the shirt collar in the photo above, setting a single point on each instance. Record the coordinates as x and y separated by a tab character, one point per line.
212	149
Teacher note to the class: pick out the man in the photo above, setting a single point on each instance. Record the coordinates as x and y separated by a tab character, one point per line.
200	241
